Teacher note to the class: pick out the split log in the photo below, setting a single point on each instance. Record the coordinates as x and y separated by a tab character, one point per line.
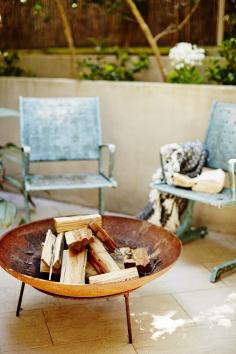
69	223
103	236
115	276
77	240
100	258
58	249
48	248
63	265
43	268
73	267
142	260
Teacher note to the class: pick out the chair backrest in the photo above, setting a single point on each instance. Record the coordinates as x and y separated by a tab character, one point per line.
220	139
61	128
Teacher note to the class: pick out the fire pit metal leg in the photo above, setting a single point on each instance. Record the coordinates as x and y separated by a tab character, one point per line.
20	299
126	295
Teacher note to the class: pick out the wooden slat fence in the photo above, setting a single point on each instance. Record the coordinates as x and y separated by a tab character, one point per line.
22	29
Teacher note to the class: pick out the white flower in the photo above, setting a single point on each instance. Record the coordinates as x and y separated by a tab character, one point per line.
186	54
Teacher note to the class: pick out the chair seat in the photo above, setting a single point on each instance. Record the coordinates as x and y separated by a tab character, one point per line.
67	181
219	199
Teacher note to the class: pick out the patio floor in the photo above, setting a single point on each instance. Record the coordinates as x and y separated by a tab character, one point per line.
181	312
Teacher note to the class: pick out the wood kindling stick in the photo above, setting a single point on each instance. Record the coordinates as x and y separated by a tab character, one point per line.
48	248
103	236
51	253
77	240
43	268
58	249
100	258
115	276
69	223
73	267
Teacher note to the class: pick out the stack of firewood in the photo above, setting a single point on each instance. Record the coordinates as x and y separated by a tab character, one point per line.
83	252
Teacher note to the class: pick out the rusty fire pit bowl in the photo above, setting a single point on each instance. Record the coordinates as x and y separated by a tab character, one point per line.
20	251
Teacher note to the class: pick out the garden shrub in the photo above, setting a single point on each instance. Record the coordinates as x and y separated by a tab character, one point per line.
9	65
122	68
223	70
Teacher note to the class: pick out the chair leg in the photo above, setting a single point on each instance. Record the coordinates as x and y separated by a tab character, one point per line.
101	202
26	207
218	270
187	233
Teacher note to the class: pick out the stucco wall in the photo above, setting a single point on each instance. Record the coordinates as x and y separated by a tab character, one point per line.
58	65
138	117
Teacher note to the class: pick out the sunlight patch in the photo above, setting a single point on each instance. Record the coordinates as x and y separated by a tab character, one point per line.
232	296
217	314
166	324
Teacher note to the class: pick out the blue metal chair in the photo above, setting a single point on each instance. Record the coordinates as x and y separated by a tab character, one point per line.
63	129
220	141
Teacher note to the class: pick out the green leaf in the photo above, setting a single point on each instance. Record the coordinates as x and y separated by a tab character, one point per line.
37	7
185	75
224	71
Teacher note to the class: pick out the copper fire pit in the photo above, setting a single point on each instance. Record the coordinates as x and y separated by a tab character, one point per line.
20	251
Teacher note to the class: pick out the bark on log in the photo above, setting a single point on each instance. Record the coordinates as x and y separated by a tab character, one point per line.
103	236
129	263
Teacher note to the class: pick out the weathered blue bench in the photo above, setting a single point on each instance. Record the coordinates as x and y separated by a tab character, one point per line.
220	141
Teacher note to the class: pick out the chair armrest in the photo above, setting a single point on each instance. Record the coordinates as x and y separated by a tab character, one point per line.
25	149
111	149
232	163
25	160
